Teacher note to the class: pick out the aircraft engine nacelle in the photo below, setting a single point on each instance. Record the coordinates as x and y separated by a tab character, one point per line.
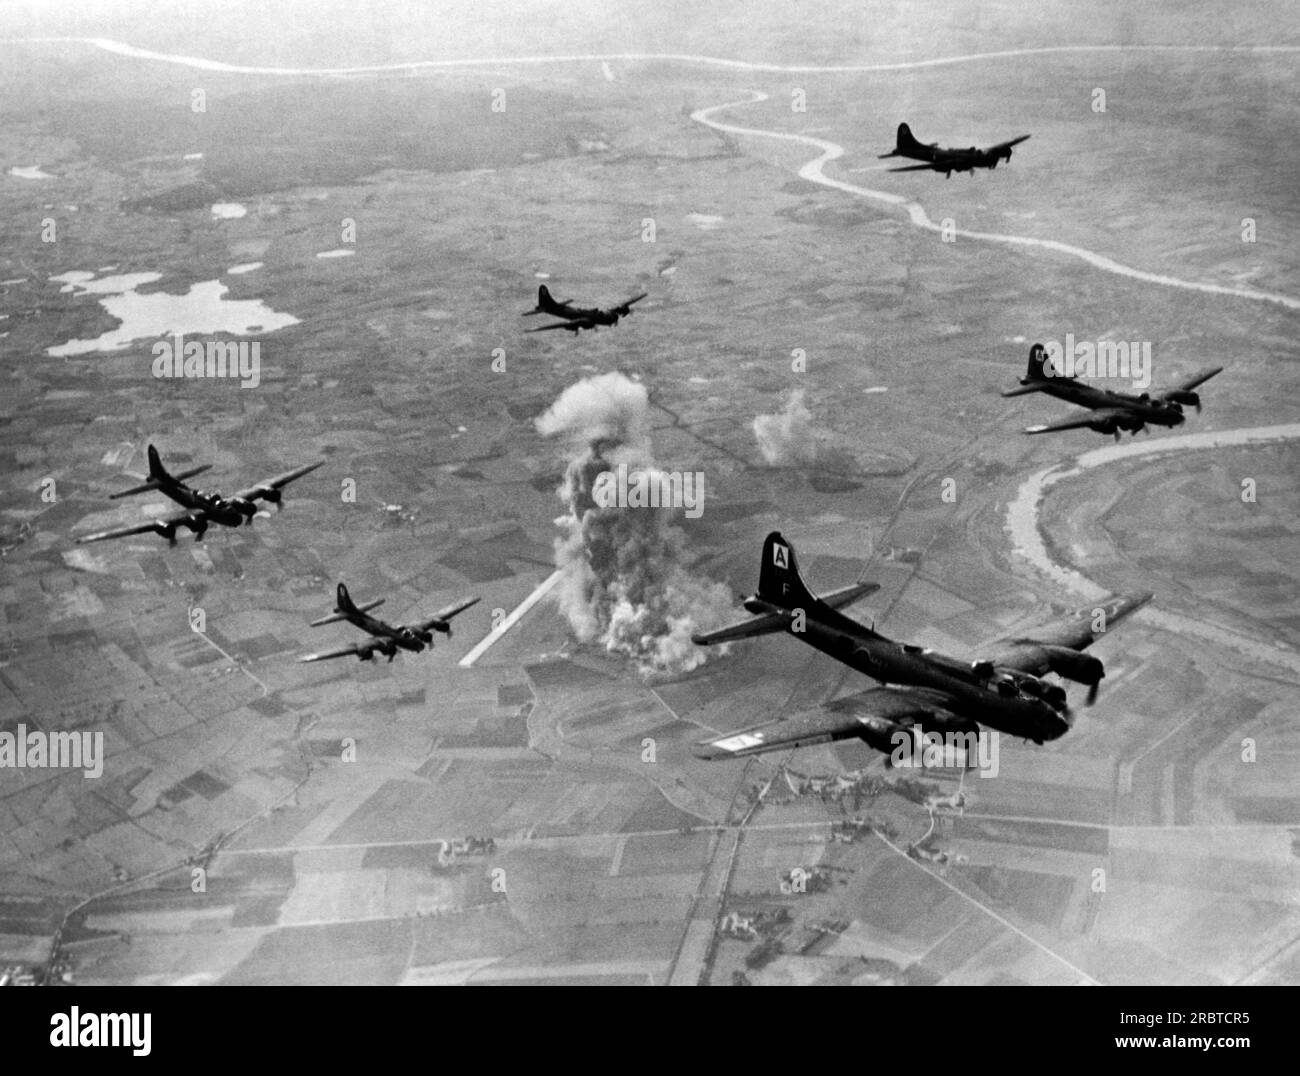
880	739
1054	696
426	637
1185	397
273	496
1104	425
168	531
1032	686
1073	665
1007	686
1010	683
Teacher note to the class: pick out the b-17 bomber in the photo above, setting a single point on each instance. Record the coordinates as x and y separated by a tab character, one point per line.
947	161
575	319
1113	411
1007	691
202	507
388	638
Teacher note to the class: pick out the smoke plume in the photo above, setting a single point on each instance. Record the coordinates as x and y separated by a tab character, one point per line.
623	583
787	438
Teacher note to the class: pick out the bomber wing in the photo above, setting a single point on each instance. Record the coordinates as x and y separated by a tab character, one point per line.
1082	422
1023	390
930	167
571	326
1191	383
1006	145
874	715
360	650
625	307
442	616
745	629
1077	631
156	526
770	622
1059	647
265	490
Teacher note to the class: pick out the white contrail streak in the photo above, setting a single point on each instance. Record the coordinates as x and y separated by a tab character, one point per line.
509	622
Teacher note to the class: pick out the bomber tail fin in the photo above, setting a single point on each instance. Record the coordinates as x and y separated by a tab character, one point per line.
159	477
1039	366
344	602
156	469
906	140
905	144
779	581
344	607
1039	370
545	304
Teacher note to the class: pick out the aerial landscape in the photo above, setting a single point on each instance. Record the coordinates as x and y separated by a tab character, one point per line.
602	729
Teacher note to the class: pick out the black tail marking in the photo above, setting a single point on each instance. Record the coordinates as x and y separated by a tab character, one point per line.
156	468
1039	368
779	581
344	602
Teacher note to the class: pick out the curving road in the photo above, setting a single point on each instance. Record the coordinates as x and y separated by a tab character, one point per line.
122	48
830	151
813	170
1026	534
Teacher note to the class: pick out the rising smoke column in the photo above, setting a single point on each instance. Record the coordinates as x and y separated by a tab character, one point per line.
623	583
787	438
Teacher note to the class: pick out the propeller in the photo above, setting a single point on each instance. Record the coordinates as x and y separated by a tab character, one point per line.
1092	691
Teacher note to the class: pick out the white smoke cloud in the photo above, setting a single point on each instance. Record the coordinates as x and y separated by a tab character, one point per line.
623	582
787	438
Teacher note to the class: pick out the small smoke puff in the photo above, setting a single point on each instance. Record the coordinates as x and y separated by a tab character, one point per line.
787	437
609	407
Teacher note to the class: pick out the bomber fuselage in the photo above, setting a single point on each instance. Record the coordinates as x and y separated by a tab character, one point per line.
1152	412
893	663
